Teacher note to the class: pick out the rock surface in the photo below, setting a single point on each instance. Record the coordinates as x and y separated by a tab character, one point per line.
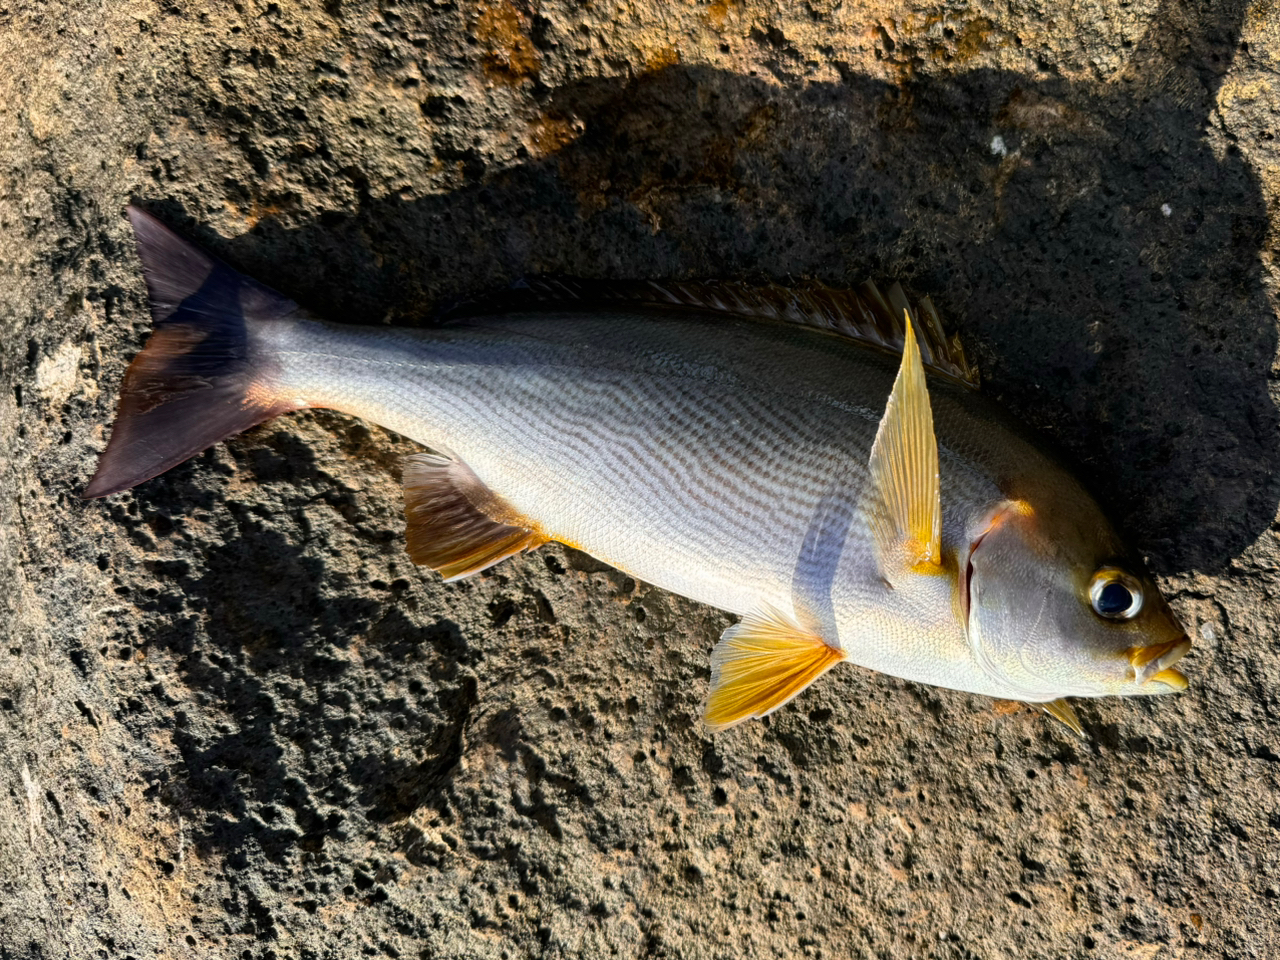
235	721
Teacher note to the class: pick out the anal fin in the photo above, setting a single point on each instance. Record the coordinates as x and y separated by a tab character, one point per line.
456	525
760	664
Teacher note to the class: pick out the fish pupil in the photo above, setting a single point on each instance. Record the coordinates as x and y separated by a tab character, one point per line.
1113	599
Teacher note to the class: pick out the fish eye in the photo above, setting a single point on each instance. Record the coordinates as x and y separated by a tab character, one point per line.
1115	595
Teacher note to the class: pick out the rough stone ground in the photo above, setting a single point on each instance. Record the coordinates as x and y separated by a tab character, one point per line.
236	722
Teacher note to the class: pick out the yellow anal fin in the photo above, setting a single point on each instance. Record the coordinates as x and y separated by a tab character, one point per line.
760	664
456	525
907	515
1062	711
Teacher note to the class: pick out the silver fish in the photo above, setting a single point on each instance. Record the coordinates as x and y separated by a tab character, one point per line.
797	474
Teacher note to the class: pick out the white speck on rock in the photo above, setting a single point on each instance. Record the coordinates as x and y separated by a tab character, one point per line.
997	146
56	374
1166	210
1207	632
33	802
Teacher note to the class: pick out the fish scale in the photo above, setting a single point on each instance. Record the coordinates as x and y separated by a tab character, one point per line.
635	438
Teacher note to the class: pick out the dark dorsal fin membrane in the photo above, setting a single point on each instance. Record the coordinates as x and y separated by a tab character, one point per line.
865	314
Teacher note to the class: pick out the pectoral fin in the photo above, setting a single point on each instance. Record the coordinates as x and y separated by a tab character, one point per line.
1062	711
760	664
456	525
907	508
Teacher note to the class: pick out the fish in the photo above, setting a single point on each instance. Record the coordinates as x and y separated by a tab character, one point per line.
818	463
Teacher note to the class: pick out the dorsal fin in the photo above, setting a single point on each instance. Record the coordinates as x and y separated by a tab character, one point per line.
864	314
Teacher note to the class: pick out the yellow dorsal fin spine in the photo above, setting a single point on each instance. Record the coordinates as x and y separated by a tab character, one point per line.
907	514
760	664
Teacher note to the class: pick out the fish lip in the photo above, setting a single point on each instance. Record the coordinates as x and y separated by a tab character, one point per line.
1151	660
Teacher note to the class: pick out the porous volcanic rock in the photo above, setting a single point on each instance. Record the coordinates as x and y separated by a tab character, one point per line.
236	721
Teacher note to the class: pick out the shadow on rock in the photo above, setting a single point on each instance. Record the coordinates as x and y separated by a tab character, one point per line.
395	783
1095	249
282	644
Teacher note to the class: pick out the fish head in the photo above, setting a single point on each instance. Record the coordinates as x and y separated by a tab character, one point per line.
1055	606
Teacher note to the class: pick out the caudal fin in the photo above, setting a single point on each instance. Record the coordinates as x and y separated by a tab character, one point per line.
204	375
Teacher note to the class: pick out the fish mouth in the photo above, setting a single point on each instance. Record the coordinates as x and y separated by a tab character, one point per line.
1154	663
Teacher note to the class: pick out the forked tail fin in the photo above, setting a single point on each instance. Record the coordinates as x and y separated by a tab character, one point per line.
205	374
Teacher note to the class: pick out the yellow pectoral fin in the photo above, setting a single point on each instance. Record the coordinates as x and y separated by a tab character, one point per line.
1170	678
907	512
1062	711
760	664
